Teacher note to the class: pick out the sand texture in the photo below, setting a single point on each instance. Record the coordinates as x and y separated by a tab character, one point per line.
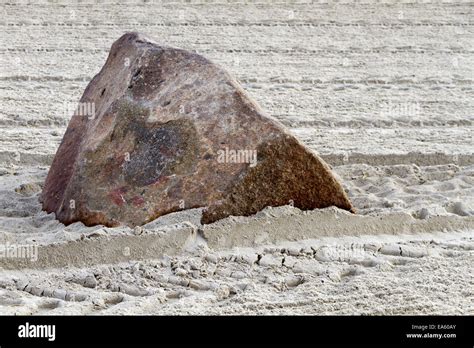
382	91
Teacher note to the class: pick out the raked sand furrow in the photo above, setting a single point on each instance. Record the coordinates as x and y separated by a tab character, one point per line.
324	276
89	246
25	146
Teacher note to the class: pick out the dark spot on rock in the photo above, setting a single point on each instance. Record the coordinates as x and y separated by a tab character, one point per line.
162	150
135	75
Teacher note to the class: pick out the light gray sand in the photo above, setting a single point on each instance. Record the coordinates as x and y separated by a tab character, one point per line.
382	90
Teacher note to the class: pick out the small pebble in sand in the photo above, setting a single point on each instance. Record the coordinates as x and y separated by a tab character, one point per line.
269	261
60	294
460	209
211	258
200	285
423	214
294	280
28	189
390	249
90	281
222	292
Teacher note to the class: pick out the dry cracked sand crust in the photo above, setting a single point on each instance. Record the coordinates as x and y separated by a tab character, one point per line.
382	91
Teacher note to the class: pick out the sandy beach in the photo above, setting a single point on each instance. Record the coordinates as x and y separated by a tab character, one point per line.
382	91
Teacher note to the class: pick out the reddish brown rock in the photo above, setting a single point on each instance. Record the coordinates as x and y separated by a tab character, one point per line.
163	130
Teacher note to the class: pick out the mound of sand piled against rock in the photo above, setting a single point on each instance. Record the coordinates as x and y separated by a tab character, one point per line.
182	231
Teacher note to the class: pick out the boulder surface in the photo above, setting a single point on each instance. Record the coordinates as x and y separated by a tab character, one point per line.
161	129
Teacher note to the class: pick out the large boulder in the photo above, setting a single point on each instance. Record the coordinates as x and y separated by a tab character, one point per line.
163	129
